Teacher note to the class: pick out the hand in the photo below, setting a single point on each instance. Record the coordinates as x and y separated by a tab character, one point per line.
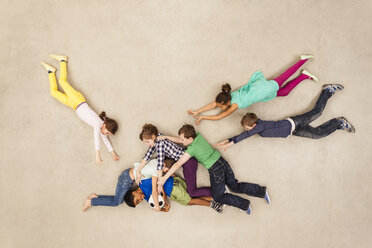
114	156
161	137
226	146
99	161
157	209
221	144
190	112
138	177
198	119
161	181
166	207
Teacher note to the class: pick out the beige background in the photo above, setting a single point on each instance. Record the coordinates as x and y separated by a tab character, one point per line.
150	61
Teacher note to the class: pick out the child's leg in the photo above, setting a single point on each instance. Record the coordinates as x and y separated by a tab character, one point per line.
189	171
104	200
289	72
306	118
199	201
74	95
207	198
246	188
54	90
284	91
124	184
217	178
318	132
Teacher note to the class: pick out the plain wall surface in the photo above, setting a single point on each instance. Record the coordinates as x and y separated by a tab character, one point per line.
151	61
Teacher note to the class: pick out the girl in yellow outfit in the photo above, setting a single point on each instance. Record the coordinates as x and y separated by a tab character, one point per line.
102	125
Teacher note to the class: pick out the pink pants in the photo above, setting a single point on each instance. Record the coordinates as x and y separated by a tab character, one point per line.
283	91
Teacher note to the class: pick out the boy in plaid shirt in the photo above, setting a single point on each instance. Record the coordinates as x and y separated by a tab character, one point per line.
163	147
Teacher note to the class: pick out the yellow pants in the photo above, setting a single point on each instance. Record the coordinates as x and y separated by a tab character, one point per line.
72	97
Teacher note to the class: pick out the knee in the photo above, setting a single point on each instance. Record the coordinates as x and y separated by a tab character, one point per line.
192	192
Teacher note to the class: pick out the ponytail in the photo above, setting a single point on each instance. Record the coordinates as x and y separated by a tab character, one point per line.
111	125
102	115
224	97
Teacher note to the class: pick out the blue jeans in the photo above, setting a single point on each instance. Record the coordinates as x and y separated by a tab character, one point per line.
125	183
303	121
220	175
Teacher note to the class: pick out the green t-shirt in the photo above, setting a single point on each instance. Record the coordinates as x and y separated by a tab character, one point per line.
203	151
258	89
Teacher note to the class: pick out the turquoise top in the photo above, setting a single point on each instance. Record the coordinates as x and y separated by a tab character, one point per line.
258	89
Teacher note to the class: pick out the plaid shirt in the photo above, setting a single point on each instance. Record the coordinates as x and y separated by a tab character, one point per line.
164	148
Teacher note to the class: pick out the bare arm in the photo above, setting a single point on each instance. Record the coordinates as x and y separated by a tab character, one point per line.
171	138
138	174
155	193
174	168
98	158
165	208
207	107
223	114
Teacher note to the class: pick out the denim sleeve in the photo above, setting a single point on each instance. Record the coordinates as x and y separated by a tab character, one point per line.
257	129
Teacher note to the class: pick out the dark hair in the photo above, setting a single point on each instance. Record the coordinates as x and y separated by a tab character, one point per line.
169	162
224	97
111	124
129	199
148	130
249	119
188	131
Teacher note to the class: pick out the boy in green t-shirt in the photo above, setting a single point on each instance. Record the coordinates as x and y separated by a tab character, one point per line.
220	172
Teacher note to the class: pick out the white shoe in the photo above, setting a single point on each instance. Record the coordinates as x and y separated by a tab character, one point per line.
49	68
313	77
59	57
306	56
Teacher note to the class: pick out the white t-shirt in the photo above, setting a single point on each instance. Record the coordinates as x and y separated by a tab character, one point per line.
148	171
91	118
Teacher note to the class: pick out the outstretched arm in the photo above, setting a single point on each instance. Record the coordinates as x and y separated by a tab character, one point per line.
207	107
138	173
223	114
171	138
172	170
224	144
155	193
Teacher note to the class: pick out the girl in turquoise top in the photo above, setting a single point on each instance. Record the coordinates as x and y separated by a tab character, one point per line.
258	89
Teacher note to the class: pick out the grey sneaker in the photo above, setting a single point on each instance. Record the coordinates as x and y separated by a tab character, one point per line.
217	206
333	87
249	210
267	198
346	125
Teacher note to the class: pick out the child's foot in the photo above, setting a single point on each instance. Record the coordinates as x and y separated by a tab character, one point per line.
216	206
92	196
306	56
346	125
87	205
313	77
333	87
267	197
49	68
60	58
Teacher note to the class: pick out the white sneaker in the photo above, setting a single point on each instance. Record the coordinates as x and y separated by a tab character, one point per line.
49	68
313	77
306	56
59	57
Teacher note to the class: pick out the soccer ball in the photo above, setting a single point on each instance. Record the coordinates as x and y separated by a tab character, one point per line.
160	199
